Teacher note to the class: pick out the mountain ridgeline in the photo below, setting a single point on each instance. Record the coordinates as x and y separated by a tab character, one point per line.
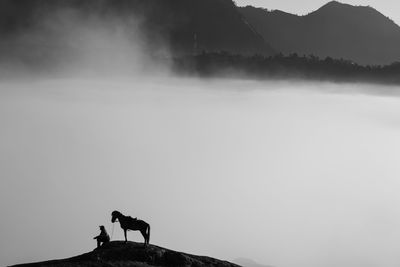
357	33
45	33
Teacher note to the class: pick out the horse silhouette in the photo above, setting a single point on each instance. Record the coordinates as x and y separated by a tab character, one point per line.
129	223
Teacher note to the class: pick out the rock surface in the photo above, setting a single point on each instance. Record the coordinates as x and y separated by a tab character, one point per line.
120	254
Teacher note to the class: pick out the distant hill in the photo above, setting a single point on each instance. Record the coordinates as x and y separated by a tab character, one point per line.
40	30
131	254
337	30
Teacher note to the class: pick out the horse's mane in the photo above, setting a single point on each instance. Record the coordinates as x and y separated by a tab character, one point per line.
117	213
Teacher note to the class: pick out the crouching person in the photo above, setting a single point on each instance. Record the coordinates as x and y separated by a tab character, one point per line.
103	237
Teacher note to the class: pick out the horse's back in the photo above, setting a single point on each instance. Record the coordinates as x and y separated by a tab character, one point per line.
131	219
135	224
142	223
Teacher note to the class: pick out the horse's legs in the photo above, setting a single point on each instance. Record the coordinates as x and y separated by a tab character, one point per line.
144	234
148	233
126	240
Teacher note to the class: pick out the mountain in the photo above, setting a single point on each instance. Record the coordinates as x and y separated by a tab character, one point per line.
131	254
38	30
217	24
357	33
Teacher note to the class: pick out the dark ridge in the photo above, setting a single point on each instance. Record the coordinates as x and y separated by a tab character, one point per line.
131	254
333	5
357	33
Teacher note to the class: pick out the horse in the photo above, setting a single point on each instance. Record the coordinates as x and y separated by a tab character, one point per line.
129	223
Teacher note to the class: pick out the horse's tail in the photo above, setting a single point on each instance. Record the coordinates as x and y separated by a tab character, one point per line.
148	233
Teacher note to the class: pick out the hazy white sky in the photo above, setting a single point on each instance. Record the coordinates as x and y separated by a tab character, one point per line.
389	8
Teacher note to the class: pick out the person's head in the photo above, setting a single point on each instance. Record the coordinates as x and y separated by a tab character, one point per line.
102	228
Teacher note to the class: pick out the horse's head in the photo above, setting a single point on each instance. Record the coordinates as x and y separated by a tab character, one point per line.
115	215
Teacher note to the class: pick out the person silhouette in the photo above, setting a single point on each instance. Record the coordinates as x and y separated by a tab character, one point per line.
103	237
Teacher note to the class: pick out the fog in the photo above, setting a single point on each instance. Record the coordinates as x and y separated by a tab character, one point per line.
289	174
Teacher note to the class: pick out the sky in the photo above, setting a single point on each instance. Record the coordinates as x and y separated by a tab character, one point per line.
389	8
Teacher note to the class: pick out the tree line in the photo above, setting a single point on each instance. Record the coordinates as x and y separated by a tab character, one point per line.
293	66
